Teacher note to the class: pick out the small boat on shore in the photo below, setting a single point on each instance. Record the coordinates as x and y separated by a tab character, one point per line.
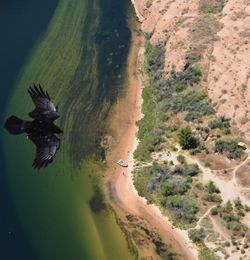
122	163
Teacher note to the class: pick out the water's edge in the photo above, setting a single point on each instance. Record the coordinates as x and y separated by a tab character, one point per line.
57	207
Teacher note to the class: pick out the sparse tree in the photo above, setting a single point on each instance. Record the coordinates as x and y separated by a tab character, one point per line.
187	138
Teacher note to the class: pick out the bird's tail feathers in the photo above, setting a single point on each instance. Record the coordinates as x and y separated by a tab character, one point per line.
15	125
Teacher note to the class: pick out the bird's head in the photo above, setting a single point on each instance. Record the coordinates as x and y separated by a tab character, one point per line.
55	115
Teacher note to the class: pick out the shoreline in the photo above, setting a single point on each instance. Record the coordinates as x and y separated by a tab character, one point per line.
122	192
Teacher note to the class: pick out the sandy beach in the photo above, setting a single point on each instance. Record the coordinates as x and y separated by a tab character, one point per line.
122	193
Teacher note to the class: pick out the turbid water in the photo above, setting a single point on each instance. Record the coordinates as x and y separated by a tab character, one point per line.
77	50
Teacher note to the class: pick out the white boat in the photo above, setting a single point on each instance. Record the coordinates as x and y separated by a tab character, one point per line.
122	163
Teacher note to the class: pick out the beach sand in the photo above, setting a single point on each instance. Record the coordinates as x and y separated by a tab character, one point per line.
119	181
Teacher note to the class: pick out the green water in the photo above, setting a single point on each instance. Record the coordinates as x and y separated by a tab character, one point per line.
80	60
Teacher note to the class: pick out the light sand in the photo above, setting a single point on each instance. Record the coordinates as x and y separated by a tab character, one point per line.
122	192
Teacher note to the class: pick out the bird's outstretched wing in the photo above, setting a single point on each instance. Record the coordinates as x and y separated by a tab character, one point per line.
45	109
46	148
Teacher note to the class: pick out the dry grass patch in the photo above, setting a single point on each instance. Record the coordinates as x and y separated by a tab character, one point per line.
216	162
211	6
242	175
203	33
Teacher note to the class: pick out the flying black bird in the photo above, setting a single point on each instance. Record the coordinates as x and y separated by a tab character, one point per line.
41	130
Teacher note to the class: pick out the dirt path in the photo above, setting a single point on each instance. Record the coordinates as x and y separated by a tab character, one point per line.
203	216
237	167
229	189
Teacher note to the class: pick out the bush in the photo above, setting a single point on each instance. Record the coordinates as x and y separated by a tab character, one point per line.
189	101
237	203
192	170
195	73
187	139
214	211
211	187
167	189
182	207
164	117
228	207
183	187
149	3
226	131
229	148
207	164
179	87
229	217
173	128
222	123
154	58
207	8
187	170
197	235
212	197
247	208
195	151
199	186
192	116
150	132
181	159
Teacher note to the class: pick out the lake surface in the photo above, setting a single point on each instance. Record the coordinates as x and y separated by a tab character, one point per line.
77	50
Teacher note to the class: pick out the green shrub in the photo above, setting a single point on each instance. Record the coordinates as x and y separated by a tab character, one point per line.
186	170
182	207
241	213
190	101
230	217
150	132
154	58
212	197
212	188
187	138
179	87
215	210
167	189
222	123
207	164
197	235
213	9
181	159
183	187
205	129
192	116
237	203
164	117
192	170
199	186
228	207
195	151
196	75
173	128
226	131
229	148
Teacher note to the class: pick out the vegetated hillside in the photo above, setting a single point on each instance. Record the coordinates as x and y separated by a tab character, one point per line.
190	158
214	33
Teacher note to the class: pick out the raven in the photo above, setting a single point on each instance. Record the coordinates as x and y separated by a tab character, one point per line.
41	131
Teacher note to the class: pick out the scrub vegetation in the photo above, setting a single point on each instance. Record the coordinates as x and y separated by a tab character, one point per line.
178	115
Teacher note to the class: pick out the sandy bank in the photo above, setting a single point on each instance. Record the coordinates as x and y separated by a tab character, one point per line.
121	191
